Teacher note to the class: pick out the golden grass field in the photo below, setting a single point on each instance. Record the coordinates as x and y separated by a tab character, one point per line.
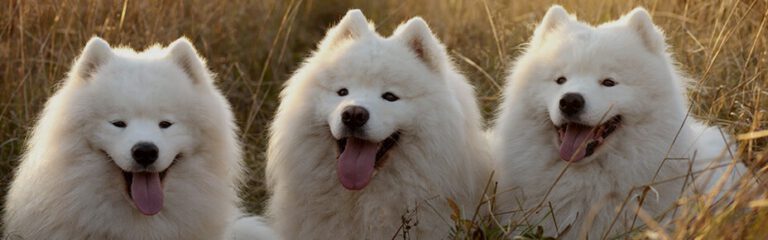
254	46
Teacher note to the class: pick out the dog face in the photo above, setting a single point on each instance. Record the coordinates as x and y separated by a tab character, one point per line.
147	144
372	91
142	111
591	79
372	104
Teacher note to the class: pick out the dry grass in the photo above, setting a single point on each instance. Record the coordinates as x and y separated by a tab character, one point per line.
254	46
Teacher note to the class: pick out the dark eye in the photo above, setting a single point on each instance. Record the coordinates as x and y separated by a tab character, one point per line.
342	92
390	97
608	82
561	80
119	124
165	124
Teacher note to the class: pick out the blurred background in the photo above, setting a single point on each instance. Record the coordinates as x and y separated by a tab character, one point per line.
254	46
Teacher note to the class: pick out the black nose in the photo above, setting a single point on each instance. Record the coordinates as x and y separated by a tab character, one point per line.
144	153
354	116
571	104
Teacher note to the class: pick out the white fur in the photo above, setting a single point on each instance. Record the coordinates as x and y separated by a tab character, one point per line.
66	186
440	153
253	228
651	97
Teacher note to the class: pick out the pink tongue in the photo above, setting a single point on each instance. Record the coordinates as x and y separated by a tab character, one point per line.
147	193
573	148
356	163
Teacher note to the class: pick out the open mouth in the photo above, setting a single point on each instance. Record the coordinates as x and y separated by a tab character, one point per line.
145	189
579	141
358	158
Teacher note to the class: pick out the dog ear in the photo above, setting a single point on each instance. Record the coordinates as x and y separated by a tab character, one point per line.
95	54
640	21
183	53
555	17
352	26
417	36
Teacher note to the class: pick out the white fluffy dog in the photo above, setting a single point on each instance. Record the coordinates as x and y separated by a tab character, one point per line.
132	146
371	137
607	106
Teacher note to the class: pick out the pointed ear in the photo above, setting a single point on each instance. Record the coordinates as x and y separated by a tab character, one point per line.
95	54
183	53
555	17
352	26
417	36
640	21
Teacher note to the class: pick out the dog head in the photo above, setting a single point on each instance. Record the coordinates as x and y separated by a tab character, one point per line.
372	91
595	81
144	111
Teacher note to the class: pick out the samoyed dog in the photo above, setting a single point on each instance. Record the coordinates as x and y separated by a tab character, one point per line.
593	123
134	145
372	136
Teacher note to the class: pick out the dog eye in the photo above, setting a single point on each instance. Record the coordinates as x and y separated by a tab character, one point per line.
608	82
342	92
390	97
119	124
165	124
561	80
